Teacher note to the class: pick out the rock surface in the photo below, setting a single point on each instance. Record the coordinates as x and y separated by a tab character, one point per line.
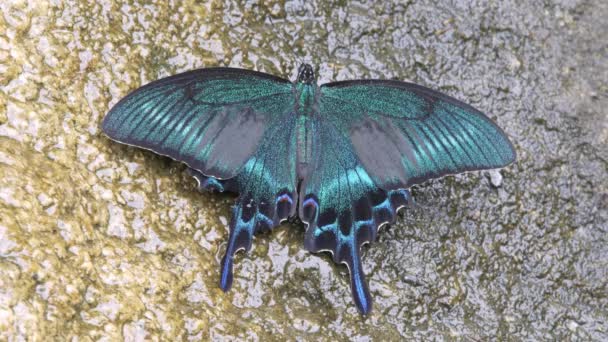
105	241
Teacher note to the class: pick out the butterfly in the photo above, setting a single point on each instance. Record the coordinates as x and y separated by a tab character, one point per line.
340	156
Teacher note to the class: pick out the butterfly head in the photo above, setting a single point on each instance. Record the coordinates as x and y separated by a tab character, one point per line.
306	74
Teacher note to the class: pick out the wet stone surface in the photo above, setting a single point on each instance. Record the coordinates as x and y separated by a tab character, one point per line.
102	240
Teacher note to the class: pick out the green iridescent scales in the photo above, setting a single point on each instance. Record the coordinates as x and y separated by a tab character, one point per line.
353	147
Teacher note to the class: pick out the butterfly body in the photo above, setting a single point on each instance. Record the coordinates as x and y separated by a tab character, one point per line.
340	156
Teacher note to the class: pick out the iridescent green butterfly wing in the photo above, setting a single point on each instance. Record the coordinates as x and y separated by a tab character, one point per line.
233	128
374	139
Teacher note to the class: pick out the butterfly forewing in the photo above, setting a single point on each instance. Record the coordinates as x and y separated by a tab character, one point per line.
405	134
211	119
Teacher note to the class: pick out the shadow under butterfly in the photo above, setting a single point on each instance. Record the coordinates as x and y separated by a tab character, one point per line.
340	156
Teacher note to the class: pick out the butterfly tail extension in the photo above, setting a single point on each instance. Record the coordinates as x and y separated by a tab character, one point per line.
240	238
242	227
358	285
241	234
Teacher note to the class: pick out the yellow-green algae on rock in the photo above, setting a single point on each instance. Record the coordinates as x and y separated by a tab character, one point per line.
100	241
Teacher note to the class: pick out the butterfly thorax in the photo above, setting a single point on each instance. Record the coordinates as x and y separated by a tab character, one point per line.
305	109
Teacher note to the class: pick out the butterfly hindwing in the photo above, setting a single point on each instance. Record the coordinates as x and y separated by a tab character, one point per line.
254	211
341	205
267	190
